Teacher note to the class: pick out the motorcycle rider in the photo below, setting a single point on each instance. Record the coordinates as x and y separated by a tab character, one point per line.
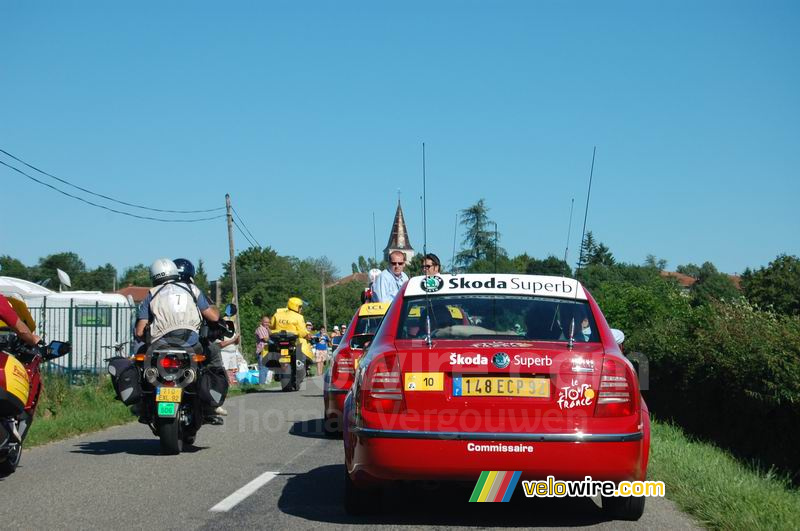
175	308
21	324
291	319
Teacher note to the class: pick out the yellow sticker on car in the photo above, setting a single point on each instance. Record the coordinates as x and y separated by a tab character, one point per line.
424	381
373	309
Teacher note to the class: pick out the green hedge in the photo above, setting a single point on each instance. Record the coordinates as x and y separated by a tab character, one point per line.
724	370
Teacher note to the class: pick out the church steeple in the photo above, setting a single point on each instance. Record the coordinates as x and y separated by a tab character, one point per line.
398	238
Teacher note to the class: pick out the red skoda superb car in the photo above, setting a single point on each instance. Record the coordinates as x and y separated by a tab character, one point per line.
471	373
345	360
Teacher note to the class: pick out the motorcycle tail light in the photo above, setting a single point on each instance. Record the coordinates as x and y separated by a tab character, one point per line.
170	363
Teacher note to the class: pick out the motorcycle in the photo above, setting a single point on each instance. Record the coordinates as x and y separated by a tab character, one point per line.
171	386
283	360
20	386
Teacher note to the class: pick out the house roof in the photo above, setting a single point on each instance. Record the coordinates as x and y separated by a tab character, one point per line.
398	238
363	278
137	293
684	280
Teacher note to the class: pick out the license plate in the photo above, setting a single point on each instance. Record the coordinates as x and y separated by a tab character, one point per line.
169	394
501	386
167	409
285	359
424	381
284	352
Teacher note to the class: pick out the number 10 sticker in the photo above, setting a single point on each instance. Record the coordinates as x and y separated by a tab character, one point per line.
424	381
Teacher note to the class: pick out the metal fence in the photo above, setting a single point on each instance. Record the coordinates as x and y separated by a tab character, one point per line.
89	328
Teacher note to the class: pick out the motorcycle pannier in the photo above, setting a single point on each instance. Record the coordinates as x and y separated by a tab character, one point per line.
125	377
213	386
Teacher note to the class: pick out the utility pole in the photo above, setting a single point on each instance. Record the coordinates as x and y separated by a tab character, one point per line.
324	308
233	260
495	246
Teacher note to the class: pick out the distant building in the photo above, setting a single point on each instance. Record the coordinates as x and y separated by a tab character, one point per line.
398	238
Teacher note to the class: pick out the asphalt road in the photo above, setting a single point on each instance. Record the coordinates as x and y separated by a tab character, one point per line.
268	466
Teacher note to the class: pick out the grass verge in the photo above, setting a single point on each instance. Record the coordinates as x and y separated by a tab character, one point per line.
65	410
717	489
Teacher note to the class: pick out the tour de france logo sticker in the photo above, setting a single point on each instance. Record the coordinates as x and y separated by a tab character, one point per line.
432	284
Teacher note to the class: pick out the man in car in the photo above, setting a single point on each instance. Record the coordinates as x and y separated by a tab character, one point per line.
389	282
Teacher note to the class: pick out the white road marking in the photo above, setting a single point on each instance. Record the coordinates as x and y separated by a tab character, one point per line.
234	499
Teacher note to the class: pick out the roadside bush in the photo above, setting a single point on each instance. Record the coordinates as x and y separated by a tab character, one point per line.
724	371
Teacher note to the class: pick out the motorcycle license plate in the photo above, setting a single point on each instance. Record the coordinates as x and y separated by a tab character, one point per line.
284	352
169	394
286	359
167	409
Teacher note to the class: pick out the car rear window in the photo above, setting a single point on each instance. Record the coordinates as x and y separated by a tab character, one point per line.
368	325
497	317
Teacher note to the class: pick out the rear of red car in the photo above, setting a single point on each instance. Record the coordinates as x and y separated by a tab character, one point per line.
532	382
345	359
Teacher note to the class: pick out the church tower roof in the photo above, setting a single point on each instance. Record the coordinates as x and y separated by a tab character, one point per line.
398	238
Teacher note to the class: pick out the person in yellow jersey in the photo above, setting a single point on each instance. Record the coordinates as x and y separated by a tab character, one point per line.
291	319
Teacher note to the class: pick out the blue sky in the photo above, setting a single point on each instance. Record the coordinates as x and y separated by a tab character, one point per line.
312	114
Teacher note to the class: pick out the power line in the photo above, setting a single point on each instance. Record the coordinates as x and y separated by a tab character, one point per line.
107	197
243	233
244	225
105	207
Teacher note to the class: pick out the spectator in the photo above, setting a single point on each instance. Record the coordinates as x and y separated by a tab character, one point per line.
336	337
321	349
389	282
262	339
431	265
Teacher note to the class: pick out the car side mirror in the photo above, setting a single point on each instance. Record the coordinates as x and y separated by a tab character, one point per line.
230	310
361	341
619	335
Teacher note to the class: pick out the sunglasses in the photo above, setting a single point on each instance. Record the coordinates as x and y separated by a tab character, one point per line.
398	263
428	266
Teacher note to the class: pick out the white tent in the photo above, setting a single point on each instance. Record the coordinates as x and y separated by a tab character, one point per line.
89	319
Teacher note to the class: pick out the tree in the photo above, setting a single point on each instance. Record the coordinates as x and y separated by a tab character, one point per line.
138	275
712	285
601	256
657	263
68	262
480	240
99	279
692	270
11	267
200	276
776	286
549	266
363	265
588	247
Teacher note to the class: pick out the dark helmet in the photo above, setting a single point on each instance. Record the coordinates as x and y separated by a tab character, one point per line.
185	269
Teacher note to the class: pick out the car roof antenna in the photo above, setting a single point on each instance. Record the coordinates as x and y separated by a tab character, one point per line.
571	342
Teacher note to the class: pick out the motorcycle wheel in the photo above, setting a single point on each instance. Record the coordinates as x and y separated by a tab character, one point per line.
169	434
9	466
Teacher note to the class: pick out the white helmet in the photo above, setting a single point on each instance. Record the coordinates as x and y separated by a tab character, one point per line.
163	270
373	275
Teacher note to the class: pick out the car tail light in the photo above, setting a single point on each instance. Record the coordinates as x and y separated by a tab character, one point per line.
383	392
343	371
616	396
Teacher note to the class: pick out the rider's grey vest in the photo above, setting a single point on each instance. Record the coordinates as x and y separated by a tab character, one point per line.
173	307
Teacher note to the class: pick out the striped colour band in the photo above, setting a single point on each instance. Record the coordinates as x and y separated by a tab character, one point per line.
495	486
